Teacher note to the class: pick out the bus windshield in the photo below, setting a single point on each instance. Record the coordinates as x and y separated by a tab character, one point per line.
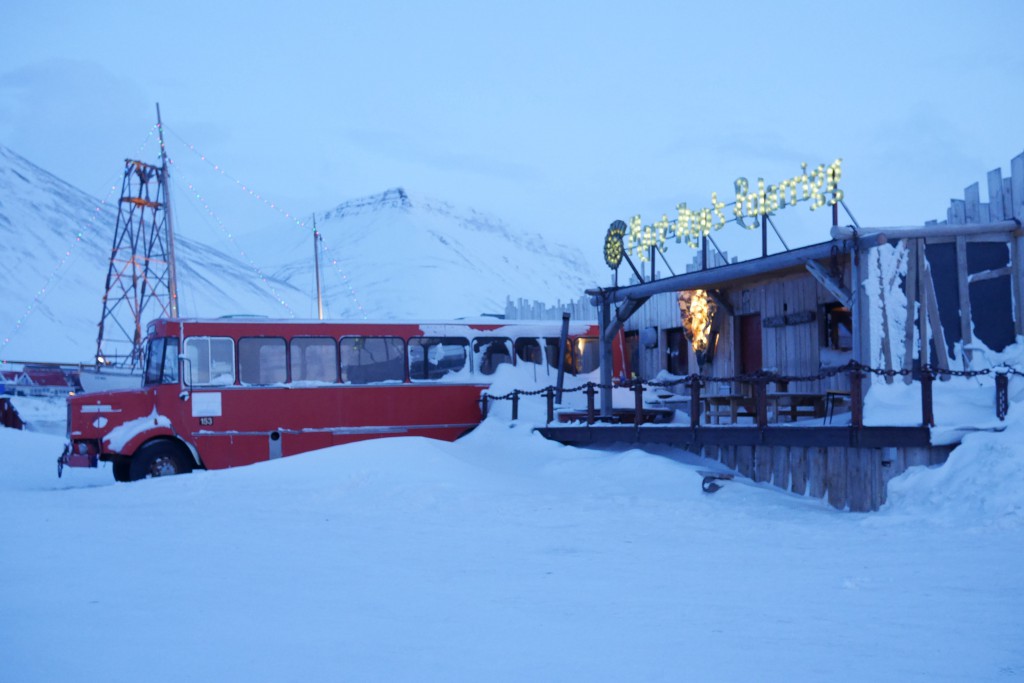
162	361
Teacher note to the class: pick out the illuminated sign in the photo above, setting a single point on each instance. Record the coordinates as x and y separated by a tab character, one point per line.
819	186
613	244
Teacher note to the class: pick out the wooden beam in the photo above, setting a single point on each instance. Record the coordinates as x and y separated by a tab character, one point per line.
988	238
693	439
963	287
935	322
972	196
922	311
995	195
1017	282
729	273
1017	187
911	291
1017	247
844	232
957	212
990	274
829	283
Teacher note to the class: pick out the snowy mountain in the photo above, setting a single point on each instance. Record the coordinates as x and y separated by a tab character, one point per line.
56	245
385	256
395	254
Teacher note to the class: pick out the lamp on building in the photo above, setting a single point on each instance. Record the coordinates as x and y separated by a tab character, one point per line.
698	313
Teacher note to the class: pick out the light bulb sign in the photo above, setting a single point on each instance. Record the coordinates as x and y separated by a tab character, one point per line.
819	186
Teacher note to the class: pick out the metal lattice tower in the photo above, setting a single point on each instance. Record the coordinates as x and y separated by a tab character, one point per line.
141	283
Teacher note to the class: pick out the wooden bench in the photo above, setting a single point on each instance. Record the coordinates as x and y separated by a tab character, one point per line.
795	405
732	406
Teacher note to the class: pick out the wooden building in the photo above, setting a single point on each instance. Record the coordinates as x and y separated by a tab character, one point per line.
783	329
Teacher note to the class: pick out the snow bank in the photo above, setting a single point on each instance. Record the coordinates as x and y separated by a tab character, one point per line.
500	557
982	483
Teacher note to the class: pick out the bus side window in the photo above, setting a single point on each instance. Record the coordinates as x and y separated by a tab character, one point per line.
365	360
314	359
588	354
528	350
212	360
432	358
490	352
551	351
261	360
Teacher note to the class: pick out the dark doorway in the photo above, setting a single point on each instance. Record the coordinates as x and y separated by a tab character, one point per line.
677	352
632	359
748	343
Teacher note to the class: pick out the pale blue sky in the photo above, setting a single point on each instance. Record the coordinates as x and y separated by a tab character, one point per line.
558	117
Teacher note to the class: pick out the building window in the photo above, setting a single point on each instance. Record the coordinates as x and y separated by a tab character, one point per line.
838	327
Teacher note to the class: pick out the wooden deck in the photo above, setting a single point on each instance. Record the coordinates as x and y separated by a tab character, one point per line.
849	467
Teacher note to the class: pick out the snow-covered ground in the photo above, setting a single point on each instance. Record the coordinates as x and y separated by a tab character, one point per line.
505	557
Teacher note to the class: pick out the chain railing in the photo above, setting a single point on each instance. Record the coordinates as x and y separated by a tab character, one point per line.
759	382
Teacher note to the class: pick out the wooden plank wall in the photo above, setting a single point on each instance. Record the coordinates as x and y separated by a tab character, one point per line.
661	312
849	478
792	349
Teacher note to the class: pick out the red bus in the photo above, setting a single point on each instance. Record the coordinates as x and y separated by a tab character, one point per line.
235	391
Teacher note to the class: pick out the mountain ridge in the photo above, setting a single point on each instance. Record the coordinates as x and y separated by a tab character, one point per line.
393	254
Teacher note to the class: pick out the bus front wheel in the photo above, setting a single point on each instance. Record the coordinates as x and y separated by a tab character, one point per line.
158	459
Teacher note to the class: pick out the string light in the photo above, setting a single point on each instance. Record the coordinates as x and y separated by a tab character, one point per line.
252	264
247	188
820	187
81	235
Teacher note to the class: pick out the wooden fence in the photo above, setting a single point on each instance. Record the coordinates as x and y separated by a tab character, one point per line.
581	309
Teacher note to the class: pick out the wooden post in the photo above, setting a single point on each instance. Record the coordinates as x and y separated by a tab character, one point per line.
836	477
1017	245
886	340
856	399
515	404
972	200
1017	281
798	470
911	290
695	403
550	395
965	299
590	403
995	195
927	416
761	402
638	402
922	311
483	406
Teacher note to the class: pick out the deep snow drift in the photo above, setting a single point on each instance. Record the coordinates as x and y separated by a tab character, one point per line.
505	557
